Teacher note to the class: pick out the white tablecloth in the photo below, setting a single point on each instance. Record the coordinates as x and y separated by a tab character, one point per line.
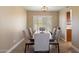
44	32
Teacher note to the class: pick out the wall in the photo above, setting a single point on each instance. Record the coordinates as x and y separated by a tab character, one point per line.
62	21
75	26
12	23
30	14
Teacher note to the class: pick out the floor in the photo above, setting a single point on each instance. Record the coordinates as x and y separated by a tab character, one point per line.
64	48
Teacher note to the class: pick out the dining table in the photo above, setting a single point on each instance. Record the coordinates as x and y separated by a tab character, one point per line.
51	40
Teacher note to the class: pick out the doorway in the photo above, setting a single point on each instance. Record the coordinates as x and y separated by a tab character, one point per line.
69	26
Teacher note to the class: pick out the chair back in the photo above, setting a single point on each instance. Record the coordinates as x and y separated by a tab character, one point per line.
41	41
58	35
26	34
54	34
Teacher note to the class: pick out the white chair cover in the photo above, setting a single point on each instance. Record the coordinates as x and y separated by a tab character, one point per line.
41	41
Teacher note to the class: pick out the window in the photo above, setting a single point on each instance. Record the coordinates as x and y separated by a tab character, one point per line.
42	21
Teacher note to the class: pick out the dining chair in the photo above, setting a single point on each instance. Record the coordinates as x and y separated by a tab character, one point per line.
55	39
30	33
28	39
41	42
53	35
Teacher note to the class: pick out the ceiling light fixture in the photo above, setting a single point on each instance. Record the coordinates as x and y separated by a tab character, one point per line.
44	8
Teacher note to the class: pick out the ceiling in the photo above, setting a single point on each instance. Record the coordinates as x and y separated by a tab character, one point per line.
38	8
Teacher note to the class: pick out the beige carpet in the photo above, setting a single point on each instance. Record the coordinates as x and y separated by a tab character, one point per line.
64	48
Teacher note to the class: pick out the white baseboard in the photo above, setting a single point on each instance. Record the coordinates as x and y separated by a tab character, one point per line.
63	39
13	47
75	48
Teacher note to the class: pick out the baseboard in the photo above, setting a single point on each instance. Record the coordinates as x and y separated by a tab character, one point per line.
13	47
75	48
63	39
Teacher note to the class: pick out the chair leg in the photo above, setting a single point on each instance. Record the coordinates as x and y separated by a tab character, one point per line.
28	46
49	48
25	49
58	48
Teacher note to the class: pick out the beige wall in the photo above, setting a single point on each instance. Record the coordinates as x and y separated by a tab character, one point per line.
75	26
30	14
12	22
